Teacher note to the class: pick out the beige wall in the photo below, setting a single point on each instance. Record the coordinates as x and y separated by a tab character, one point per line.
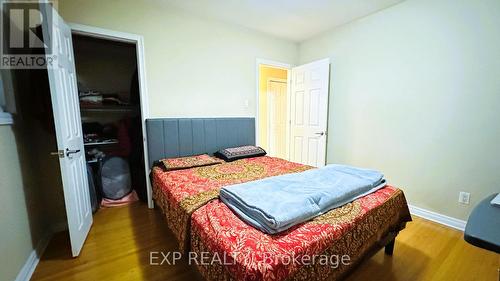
266	73
15	231
31	199
415	91
194	67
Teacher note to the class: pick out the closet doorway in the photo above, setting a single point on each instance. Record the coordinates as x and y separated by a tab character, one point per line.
101	90
110	68
99	104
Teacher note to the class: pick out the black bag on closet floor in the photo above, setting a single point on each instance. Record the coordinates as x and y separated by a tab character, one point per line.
114	176
94	200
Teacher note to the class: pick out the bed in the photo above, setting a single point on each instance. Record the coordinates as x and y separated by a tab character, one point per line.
203	224
180	193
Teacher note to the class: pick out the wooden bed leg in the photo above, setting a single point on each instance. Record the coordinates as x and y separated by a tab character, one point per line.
389	248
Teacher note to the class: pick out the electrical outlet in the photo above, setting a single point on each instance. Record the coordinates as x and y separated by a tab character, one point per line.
464	197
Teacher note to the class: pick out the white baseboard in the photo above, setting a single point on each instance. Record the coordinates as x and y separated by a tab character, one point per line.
439	218
34	258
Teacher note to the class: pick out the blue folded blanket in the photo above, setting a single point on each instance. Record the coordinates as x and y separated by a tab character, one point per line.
277	203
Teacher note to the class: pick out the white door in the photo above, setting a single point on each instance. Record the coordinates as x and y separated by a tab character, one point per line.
65	103
277	115
309	113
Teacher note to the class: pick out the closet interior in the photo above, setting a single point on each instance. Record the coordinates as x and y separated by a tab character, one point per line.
110	110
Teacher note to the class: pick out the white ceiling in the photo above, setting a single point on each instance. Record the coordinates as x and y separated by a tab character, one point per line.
295	20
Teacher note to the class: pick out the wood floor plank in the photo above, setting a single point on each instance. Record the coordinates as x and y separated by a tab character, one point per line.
121	239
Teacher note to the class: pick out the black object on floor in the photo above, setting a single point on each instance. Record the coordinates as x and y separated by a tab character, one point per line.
94	200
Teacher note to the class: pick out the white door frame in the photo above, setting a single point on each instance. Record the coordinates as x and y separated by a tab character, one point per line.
279	80
138	40
288	68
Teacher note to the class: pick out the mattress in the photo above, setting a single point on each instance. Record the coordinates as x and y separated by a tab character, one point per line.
180	193
246	253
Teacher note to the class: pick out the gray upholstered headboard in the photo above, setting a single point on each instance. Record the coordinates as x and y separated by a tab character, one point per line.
178	137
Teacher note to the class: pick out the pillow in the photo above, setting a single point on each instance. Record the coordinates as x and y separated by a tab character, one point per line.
235	153
171	164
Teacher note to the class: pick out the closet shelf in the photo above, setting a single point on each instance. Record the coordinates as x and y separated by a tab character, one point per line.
108	108
100	143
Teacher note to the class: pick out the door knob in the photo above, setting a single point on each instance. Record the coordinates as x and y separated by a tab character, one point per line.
69	152
59	153
320	133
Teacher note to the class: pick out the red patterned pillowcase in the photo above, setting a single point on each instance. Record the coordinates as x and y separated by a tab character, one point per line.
171	164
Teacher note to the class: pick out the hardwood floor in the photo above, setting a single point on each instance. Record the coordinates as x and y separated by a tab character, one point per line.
120	241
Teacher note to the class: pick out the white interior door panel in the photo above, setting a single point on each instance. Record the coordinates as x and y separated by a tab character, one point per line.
65	104
309	112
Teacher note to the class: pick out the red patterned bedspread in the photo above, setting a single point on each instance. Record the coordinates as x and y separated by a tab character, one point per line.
179	193
249	254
